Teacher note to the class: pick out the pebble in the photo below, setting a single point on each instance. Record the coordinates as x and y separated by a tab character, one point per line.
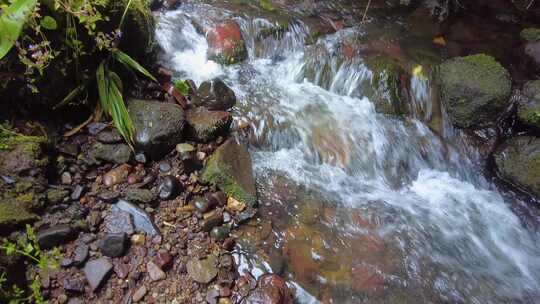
62	299
169	187
140	158
220	233
140	195
108	195
109	137
139	293
234	205
138	239
54	236
119	221
155	273
210	220
201	156
114	244
66	178
80	254
163	259
201	204
164	167
77	192
121	269
73	285
116	175
96	271
141	219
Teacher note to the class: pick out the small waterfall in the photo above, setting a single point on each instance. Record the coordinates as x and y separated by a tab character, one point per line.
451	236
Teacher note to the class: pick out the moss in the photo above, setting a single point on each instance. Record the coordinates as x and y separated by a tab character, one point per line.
23	186
11	214
55	196
267	5
530	34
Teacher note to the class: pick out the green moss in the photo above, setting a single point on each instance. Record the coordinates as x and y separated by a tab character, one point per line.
267	5
55	196
530	34
23	186
11	214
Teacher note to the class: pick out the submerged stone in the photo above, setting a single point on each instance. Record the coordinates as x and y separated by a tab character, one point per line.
474	89
215	95
230	169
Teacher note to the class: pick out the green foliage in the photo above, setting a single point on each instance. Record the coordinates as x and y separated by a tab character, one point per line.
12	21
130	63
530	34
181	86
28	247
48	23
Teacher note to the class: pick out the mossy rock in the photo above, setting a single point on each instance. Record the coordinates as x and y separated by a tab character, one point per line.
530	34
529	107
474	89
230	169
12	215
518	162
118	153
20	153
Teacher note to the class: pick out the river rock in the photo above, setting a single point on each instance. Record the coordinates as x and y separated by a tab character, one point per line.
529	106
225	43
80	254
169	187
140	195
143	222
119	221
96	271
230	169
155	272
474	89
158	125
139	293
202	271
73	285
271	289
55	235
117	175
118	154
12	215
109	137
113	245
207	125
518	162
22	154
215	95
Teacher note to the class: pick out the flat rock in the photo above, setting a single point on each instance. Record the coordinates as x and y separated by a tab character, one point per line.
140	195
117	153
202	271
114	244
118	221
143	222
96	271
56	235
155	272
80	254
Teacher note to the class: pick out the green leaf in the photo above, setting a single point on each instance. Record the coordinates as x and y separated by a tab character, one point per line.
48	23
131	63
181	86
72	95
11	23
103	88
120	115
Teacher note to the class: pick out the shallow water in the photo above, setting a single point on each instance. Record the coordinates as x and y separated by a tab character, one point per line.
358	206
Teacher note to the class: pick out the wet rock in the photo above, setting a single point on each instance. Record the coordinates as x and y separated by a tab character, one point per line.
65	178
226	44
155	272
158	125
205	125
109	137
220	233
230	169
113	245
95	127
73	285
529	106
185	149
270	289
202	271
117	175
169	187
77	192
475	90
140	158
235	206
22	155
80	255
56	235
140	195
163	259
96	271
118	154
164	167
139	293
201	204
55	196
215	95
119	221
142	220
518	162
108	195
211	220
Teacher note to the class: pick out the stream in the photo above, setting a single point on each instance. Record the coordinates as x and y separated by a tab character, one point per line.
357	206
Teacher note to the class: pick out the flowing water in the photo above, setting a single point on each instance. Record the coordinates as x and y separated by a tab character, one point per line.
357	206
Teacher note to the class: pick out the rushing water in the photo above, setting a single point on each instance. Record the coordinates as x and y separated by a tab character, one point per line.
357	206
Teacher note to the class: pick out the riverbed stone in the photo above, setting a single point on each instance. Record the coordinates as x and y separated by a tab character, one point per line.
142	220
117	175
225	43
529	106
117	154
140	195
215	95
113	245
96	271
230	169
207	125
155	272
474	89
12	215
271	289
55	196
119	221
55	235
518	162
158	125
202	271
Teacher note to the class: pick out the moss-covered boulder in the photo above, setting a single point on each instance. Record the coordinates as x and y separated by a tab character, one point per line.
474	89
207	125
230	169
518	162
158	125
529	106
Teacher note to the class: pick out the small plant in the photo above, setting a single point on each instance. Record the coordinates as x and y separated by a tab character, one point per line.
28	247
182	86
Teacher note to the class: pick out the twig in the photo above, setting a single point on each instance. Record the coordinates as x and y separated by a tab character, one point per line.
366	10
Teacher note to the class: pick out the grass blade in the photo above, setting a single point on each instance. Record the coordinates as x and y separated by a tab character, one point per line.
119	113
131	63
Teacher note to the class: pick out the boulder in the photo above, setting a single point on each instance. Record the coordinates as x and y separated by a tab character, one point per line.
230	169
225	43
158	125
474	89
215	95
518	162
118	154
207	125
529	106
